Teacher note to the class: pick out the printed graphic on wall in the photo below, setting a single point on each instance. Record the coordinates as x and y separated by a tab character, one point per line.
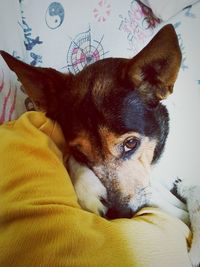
54	15
138	25
30	40
102	11
83	51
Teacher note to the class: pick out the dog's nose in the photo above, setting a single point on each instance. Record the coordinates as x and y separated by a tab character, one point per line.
114	213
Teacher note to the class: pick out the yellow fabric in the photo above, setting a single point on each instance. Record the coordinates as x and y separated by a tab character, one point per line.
41	223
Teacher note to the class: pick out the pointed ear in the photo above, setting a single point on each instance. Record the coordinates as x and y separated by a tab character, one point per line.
43	85
154	70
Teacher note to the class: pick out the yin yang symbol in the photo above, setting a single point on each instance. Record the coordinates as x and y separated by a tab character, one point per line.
54	15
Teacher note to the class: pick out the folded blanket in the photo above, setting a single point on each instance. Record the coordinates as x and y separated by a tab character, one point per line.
42	224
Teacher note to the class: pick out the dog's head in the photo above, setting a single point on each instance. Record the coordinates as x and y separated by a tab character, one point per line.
111	114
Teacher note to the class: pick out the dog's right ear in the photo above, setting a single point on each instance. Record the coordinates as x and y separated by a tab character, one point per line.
154	70
43	85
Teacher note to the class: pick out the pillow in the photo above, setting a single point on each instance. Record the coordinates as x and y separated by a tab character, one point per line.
167	9
42	224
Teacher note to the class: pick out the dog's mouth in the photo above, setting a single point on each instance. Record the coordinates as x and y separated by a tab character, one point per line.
125	207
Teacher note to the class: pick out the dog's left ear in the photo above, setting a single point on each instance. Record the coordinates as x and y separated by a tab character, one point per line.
44	86
154	70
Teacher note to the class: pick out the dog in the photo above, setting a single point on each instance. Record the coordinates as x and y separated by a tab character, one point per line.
115	125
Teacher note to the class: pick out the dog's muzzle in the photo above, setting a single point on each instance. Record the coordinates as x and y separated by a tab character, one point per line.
125	207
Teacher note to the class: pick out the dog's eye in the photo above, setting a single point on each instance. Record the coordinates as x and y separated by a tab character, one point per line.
130	144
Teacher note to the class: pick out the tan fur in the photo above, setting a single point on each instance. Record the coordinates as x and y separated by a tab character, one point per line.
83	144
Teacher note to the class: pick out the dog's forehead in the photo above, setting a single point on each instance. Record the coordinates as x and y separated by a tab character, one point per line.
107	67
117	110
100	77
102	93
115	113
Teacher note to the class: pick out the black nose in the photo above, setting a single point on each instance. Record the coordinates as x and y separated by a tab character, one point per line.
114	213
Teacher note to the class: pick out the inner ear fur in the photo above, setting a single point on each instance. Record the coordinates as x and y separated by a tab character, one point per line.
43	85
154	70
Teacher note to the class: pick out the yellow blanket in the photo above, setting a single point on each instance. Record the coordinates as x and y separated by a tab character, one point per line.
41	223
